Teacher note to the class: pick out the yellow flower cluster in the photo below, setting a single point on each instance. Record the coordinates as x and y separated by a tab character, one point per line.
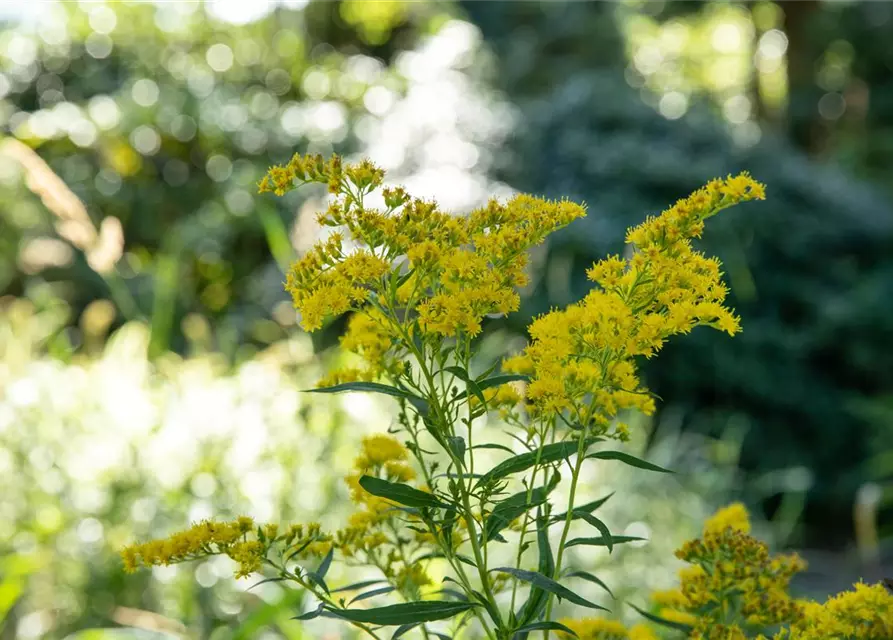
730	562
385	457
733	516
450	272
411	579
734	588
381	455
370	335
281	179
865	613
582	358
202	539
602	629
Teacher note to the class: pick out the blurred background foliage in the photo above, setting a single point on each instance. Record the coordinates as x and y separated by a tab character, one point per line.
133	135
808	384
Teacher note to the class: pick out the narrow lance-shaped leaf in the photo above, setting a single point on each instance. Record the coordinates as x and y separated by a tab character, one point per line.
585	575
375	387
549	453
401	493
670	624
536	601
265	581
326	563
489	445
404	629
547	626
371	594
627	458
548	584
406	613
515	506
457	446
357	585
310	615
589	507
601	541
495	381
601	526
470	385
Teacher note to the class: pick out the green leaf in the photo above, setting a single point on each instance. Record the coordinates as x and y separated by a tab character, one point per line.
401	493
495	381
357	585
548	626
589	507
678	626
403	629
626	458
419	403
371	594
470	385
546	561
406	613
319	582
457	446
310	615
601	541
326	563
501	447
536	601
465	560
549	453
515	506
256	584
591	578
601	526
548	584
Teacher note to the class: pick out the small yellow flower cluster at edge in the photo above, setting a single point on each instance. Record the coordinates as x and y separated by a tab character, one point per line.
733	586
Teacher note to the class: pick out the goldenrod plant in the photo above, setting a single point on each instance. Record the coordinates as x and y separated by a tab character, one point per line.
419	283
734	589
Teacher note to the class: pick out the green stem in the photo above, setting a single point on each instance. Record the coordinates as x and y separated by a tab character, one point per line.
567	525
527	518
447	550
285	573
463	489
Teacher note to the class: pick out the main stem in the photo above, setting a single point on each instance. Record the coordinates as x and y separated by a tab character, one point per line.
469	514
466	502
448	551
567	525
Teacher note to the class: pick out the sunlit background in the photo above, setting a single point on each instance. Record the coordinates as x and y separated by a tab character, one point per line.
151	364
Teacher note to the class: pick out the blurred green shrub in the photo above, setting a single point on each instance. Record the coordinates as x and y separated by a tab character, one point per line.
161	118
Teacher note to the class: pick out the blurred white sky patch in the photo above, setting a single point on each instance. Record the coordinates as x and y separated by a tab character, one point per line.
435	140
233	11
